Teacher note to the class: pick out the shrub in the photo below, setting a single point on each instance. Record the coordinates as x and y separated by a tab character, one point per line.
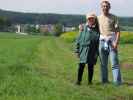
126	37
57	29
70	36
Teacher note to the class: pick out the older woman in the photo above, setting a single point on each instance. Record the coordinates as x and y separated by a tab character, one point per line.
87	47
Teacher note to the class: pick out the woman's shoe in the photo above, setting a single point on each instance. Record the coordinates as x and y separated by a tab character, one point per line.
78	83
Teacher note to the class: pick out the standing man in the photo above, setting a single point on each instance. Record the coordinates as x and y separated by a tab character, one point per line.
109	39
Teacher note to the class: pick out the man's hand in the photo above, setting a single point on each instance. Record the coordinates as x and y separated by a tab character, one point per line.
114	45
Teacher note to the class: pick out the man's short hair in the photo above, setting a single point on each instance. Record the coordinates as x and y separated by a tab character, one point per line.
106	1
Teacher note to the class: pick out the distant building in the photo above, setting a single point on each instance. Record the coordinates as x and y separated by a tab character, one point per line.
68	28
47	29
21	28
18	28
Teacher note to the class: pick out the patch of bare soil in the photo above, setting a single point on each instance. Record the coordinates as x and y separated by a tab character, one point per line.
127	65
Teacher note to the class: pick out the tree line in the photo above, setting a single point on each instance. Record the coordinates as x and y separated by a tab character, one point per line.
9	17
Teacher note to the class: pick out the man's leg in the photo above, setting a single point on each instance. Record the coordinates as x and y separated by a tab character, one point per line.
115	66
103	55
90	73
80	72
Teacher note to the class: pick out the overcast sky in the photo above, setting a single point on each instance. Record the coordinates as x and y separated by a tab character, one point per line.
119	7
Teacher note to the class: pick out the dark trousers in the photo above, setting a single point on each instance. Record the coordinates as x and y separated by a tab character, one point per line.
81	70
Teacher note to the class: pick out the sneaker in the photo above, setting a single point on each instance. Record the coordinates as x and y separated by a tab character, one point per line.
89	83
117	83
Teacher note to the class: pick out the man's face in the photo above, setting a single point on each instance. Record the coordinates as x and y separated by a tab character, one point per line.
105	7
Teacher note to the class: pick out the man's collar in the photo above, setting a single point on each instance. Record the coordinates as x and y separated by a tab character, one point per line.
106	15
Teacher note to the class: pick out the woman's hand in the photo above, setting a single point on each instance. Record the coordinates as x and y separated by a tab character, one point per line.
77	54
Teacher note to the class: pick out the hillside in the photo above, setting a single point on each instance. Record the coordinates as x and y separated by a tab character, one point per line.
46	18
36	18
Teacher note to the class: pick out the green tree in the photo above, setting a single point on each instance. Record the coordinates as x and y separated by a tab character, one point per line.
4	23
58	29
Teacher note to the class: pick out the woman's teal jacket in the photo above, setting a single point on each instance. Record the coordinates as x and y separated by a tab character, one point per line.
87	45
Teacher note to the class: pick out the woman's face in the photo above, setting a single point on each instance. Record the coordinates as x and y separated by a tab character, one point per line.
91	21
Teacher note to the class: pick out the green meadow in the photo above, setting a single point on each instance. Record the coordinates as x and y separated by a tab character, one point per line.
45	68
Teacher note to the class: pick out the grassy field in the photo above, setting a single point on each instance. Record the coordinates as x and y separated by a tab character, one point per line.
45	68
